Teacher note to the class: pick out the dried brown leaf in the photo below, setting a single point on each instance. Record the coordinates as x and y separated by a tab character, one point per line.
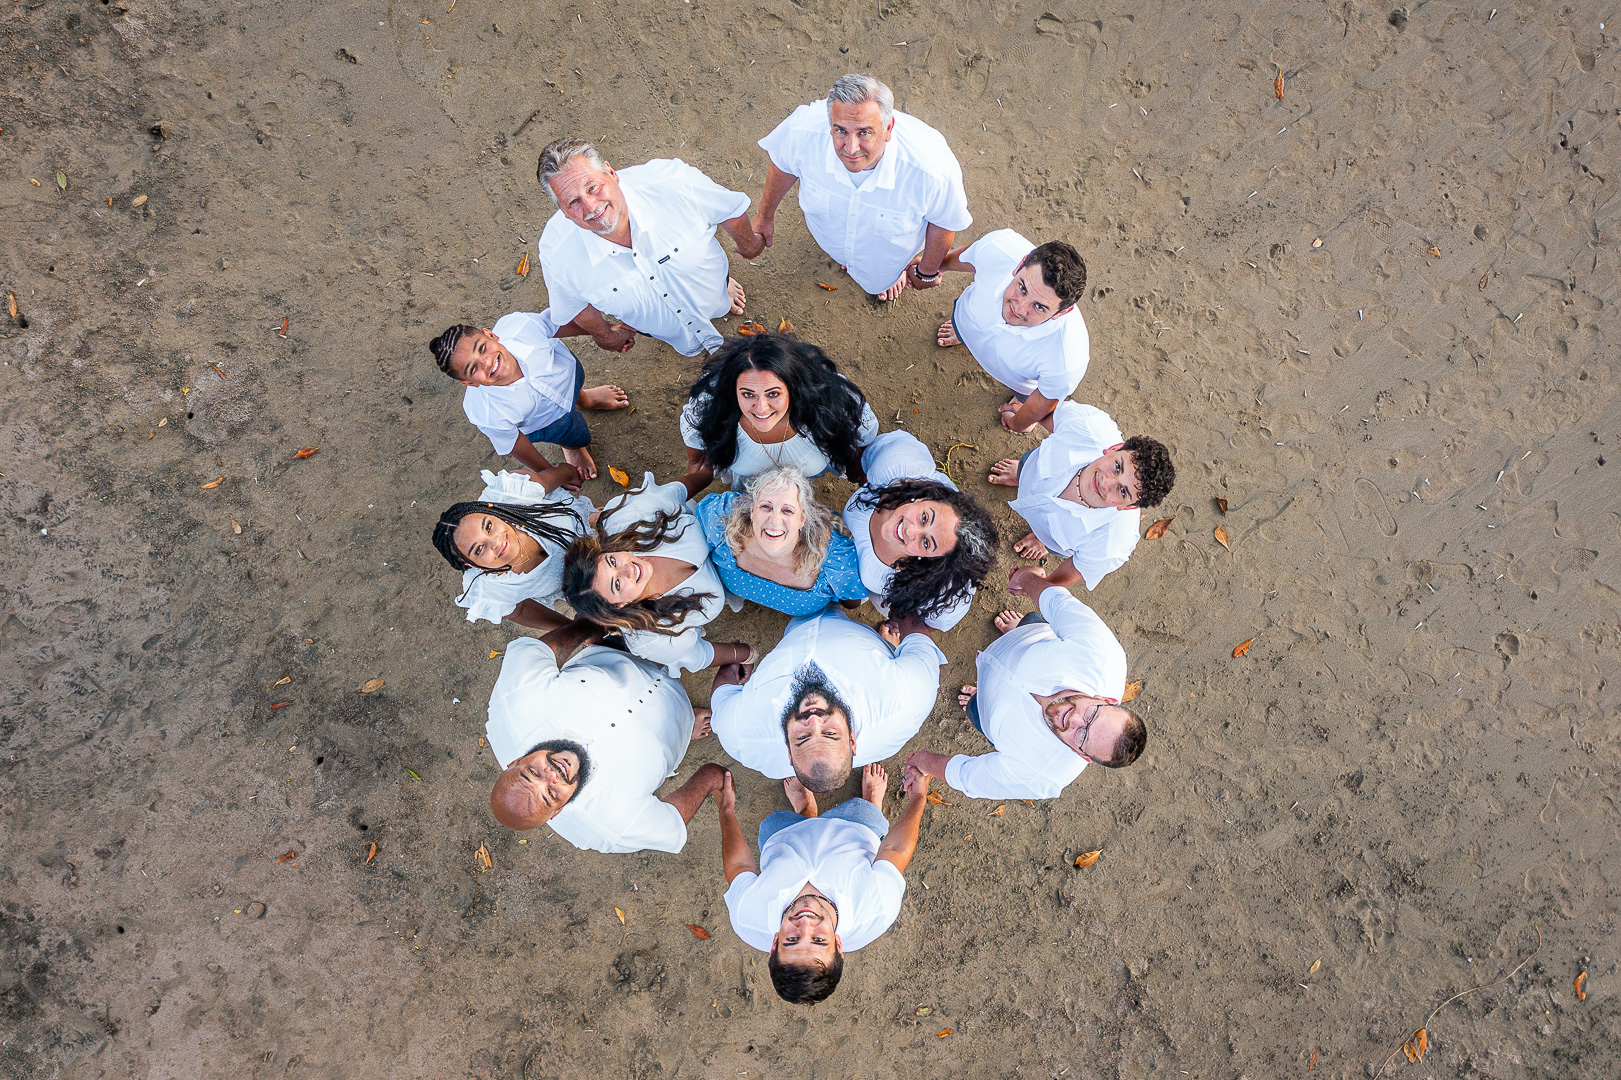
925	1010
1277	86
1243	648
289	857
698	932
371	852
620	476
307	452
371	686
217	370
11	305
1221	538
785	327
482	858
998	811
284	680
523	265
1416	1047
212	484
234	526
1435	253
1316	966
283	331
1221	504
1484	278
621	915
1086	859
139	200
1157	530
935	798
1581	987
829	288
1133	688
749	329
1317	243
947	1031
279	705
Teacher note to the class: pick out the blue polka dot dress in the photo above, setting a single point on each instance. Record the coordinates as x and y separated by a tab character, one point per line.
838	579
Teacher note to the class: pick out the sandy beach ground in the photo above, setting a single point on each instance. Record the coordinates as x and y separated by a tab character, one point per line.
1409	779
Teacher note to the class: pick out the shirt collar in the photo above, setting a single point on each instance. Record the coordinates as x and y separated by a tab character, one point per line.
882	175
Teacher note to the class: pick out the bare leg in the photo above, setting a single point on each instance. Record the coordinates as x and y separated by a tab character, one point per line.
1030	548
803	802
739	298
946	336
1005	473
967	695
602	398
1007	620
874	782
700	723
581	459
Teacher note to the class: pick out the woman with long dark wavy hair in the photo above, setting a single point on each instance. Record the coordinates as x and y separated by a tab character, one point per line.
923	544
509	544
643	569
771	400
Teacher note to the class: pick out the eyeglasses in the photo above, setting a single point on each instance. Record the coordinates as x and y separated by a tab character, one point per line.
1090	716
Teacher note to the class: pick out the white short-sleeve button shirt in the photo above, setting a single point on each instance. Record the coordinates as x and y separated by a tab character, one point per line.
872	230
1050	357
544	394
671	281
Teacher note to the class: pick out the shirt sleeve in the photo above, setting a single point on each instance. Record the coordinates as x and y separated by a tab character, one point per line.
868	430
687	650
883	890
745	923
689	421
950	209
953	615
655	826
503	435
480	604
564	301
896	454
779	146
715	203
1054	380
1072	620
1094	561
997	776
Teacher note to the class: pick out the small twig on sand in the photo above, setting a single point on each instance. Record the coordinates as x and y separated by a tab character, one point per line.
525	124
1483	986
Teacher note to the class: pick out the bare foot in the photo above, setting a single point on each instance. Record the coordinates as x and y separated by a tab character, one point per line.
700	723
946	336
1007	620
894	291
1005	472
874	782
602	398
967	695
1030	548
739	297
581	459
803	802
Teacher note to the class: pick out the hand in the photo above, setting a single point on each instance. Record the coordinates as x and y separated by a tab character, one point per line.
563	476
764	227
928	763
1006	413
618	338
896	630
915	782
916	281
1027	580
750	246
725	793
729	675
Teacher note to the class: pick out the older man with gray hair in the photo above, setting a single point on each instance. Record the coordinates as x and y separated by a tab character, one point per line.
882	189
640	246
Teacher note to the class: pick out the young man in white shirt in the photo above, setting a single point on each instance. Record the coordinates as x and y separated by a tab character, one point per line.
827	884
1048	700
831	696
1082	491
883	188
1019	321
585	735
640	246
525	387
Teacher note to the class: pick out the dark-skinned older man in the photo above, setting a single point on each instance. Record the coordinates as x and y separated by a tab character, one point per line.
585	735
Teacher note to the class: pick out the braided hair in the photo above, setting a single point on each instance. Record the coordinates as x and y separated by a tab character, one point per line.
558	523
658	615
443	347
925	587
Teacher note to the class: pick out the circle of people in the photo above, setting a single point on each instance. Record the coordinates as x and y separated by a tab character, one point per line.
590	719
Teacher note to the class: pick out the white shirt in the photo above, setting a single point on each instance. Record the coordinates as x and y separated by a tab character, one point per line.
837	857
1073	650
686	648
1050	357
872	230
672	279
1097	539
889	693
894	455
634	722
544	394
753	457
493	597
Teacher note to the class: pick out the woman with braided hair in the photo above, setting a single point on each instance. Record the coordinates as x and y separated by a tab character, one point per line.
509	544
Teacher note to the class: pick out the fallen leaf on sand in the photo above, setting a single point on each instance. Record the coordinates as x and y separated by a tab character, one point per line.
371	686
947	1031
620	476
749	329
621	915
1133	688
1312	1064
284	680
62	180
371	852
829	288
1157	530
698	932
523	265
936	799
926	1010
1221	504
1317	243
1277	86
217	370
493	655
139	200
412	773
482	858
1581	987
234	526
308	451
1316	966
784	327
279	705
1086	859
998	811
1487	276
11	305
283	330
970	836
1435	253
1221	537
309	641
164	422
289	857
212	484
1416	1047
1242	649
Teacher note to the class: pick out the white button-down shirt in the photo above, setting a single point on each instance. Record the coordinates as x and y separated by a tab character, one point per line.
836	856
1050	357
544	394
889	693
872	230
1072	650
894	455
672	279
495	596
1097	539
634	722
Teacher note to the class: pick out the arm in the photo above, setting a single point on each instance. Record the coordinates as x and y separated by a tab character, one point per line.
571	637
536	616
563	476
901	842
954	261
925	272
1028	581
741	230
777	185
700	473
531	458
1065	574
691	795
735	856
1035	409
617	338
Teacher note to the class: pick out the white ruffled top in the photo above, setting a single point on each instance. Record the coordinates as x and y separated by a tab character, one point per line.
493	597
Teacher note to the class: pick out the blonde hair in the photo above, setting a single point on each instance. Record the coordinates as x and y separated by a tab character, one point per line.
813	536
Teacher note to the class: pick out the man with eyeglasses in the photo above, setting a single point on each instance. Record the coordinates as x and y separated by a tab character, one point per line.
585	734
1048	700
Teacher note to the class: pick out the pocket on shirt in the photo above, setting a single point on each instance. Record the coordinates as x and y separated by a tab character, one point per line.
814	199
900	228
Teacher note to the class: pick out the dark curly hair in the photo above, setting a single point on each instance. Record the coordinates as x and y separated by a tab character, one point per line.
660	614
443	347
823	405
557	522
804	984
1062	269
927	587
1155	473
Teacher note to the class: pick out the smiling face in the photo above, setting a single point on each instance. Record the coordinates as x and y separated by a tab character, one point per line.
1028	300
490	543
806	937
925	529
535	788
763	400
777	518
819	740
859	136
1089	726
589	196
1111	480
622	578
480	360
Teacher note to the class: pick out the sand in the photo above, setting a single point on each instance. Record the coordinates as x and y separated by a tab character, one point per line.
1409	778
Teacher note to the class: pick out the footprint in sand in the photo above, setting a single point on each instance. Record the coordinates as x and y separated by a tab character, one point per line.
1371	501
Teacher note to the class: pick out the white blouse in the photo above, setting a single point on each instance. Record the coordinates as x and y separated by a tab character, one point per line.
753	457
493	597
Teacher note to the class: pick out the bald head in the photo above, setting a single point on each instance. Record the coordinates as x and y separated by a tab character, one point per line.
535	788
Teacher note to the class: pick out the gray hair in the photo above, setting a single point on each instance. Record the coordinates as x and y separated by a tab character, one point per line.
857	89
814	535
556	157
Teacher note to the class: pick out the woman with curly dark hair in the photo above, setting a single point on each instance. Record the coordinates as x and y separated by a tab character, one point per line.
644	570
923	544
769	400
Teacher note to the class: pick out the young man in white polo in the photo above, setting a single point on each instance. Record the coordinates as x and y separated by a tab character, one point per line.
1018	319
525	387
